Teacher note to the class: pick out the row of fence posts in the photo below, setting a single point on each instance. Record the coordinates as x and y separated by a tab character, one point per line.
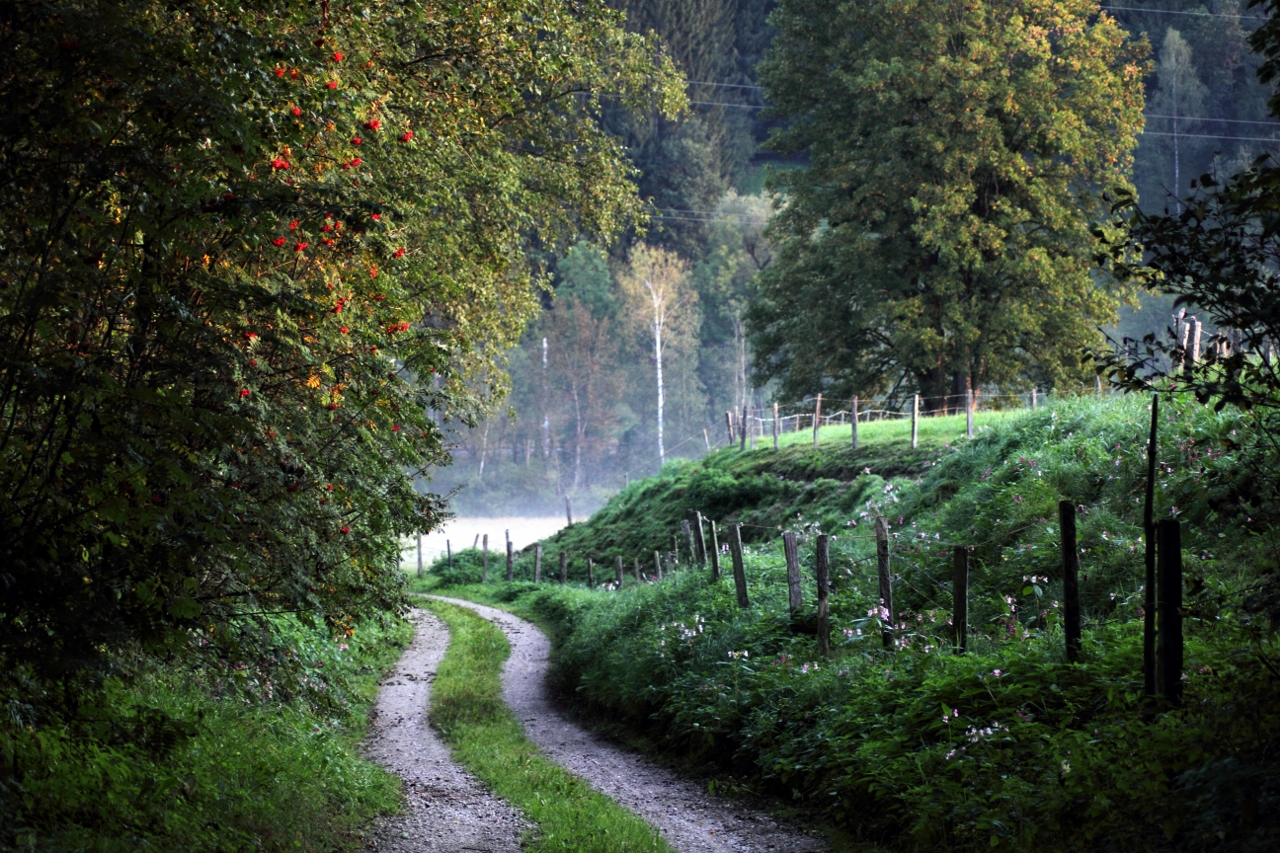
744	432
1162	618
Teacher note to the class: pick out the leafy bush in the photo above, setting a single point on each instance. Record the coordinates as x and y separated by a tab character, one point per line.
183	758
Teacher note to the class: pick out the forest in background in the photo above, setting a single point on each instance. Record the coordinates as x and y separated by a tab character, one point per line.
581	415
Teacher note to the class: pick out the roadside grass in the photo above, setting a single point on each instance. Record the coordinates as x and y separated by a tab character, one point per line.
486	738
1008	747
199	758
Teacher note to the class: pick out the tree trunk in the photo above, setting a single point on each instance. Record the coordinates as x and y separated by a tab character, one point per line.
657	355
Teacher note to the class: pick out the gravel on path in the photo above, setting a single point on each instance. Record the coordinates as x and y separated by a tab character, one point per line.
446	809
691	820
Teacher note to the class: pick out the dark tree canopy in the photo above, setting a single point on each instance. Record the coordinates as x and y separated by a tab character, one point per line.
940	238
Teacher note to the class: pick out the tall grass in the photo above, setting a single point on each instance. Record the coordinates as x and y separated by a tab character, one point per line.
179	758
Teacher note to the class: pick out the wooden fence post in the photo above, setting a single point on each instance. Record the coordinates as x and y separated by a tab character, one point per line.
739	570
1169	547
537	563
657	564
564	566
1034	401
853	419
617	571
728	423
1070	578
484	569
715	553
968	413
419	555
568	510
817	420
775	426
699	538
687	529
742	429
1149	602
794	595
886	581
823	563
915	421
448	549
675	549
960	598
1196	328
591	574
511	560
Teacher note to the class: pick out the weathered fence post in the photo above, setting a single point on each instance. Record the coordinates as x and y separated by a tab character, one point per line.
568	511
752	426
715	553
1169	547
617	570
419	555
960	597
853	418
657	564
968	413
794	596
511	560
448	549
817	420
1034	401
1149	678
739	570
915	421
1196	328
775	426
687	529
484	569
476	544
675	549
564	566
1070	578
699	538
886	581
537	563
591	574
823	565
728	423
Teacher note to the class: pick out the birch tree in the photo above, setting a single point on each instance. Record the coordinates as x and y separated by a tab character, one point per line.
659	301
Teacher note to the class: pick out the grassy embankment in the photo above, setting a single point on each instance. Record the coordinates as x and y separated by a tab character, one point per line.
1008	747
228	758
486	738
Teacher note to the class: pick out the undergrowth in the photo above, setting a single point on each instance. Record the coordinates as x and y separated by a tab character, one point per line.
1008	747
193	758
486	738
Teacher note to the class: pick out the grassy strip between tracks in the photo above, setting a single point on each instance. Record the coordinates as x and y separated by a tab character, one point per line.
486	738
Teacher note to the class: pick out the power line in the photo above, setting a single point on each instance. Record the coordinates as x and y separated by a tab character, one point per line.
724	85
1211	136
1176	12
1223	120
736	106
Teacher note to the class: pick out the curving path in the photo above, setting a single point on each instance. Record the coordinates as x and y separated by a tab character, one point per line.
446	809
691	820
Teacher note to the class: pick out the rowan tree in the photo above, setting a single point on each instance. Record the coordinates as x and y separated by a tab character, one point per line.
940	237
238	236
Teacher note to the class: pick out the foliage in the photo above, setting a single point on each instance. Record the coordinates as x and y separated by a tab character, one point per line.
231	757
467	708
1009	747
940	237
236	235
